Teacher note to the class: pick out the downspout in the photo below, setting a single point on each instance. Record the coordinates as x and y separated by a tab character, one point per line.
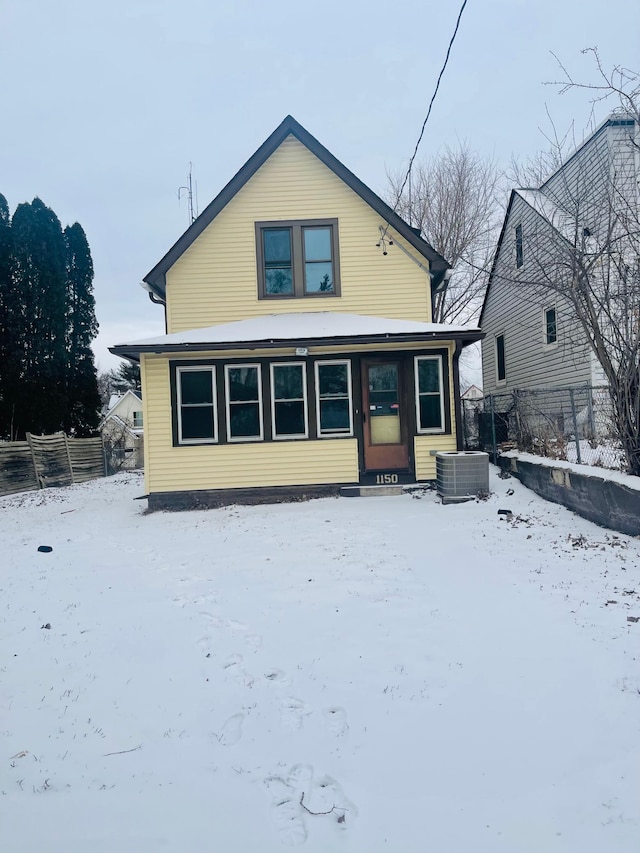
156	301
457	402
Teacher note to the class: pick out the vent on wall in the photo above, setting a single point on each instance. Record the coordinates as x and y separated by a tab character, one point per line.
461	476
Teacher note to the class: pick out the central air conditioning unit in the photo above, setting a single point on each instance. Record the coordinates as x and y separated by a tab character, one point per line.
462	475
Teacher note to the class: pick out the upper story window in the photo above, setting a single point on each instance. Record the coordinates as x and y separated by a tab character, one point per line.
137	419
298	259
550	326
196	398
501	366
519	247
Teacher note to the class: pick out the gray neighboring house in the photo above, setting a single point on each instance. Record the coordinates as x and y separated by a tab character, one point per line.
533	339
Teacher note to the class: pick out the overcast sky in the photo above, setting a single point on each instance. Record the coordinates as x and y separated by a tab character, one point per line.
103	105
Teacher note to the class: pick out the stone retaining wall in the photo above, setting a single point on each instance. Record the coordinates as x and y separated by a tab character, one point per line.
607	502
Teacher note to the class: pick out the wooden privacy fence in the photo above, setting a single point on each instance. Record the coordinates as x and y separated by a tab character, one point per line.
43	461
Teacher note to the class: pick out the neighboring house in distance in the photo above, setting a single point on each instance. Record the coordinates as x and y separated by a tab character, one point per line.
123	432
300	354
472	393
533	338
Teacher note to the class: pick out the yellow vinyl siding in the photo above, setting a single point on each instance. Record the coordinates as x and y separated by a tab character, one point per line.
225	466
215	280
423	445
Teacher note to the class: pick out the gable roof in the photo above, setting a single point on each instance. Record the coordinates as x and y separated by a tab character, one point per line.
115	403
557	218
155	280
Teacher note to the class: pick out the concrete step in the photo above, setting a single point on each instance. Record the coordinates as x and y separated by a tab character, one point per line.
379	491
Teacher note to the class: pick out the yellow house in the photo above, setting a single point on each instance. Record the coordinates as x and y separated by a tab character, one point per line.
300	355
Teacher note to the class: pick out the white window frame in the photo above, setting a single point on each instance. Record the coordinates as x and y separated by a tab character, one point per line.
288	436
179	404
545	342
228	404
139	420
316	367
503	381
416	360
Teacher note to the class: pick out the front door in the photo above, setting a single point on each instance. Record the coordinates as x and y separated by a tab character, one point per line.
384	427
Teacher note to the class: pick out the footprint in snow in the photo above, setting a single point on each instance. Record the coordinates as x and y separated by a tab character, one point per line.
277	676
231	731
233	667
336	720
293	713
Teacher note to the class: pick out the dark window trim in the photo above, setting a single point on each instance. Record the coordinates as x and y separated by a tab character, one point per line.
297	257
354	360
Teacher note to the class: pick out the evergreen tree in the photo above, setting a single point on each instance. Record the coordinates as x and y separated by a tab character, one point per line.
81	328
37	396
7	336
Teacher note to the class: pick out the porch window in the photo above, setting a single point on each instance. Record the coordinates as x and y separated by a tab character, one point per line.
429	393
289	400
297	258
334	398
196	405
244	402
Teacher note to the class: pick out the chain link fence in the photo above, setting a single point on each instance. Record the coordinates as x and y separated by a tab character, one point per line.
574	424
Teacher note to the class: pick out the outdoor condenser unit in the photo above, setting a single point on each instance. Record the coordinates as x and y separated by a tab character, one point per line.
461	475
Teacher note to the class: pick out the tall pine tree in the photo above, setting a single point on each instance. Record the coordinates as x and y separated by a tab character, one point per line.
38	295
82	327
7	332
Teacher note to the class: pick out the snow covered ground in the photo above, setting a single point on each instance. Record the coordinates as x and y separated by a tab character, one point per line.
353	675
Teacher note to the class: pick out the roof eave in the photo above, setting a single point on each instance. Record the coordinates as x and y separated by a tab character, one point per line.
134	351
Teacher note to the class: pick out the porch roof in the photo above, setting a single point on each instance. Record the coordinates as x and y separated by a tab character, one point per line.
320	328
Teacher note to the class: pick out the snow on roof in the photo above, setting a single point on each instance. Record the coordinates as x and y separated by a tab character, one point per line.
562	221
301	326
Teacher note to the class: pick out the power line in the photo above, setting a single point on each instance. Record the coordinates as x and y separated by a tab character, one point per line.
433	97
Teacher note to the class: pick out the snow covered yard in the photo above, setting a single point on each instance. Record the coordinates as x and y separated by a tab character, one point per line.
352	675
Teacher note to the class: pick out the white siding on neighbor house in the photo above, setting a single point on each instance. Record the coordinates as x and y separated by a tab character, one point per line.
514	307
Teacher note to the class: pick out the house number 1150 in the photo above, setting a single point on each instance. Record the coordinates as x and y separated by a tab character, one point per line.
386	479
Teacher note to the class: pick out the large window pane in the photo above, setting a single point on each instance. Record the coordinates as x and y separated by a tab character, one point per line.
430	415
197	422
318	277
333	390
244	420
333	379
243	383
287	381
428	375
196	387
277	247
334	416
289	418
317	244
278	280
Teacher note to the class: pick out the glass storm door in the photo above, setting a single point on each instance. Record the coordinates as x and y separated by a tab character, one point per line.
385	443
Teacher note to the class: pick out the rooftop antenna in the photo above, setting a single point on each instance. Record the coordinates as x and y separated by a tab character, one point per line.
188	189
